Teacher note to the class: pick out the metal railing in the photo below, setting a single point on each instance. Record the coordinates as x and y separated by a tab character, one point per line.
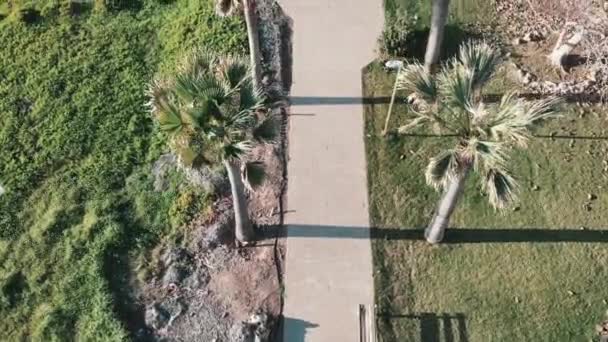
367	323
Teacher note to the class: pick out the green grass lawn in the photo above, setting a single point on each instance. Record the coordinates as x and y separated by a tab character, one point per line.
536	273
526	275
461	11
76	147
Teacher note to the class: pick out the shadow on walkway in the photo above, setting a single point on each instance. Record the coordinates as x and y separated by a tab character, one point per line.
319	100
453	235
295	329
488	98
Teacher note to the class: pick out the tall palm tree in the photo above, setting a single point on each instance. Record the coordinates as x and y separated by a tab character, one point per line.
214	115
439	17
231	7
452	102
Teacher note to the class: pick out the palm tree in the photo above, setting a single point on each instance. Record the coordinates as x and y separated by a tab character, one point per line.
439	17
230	7
213	115
452	102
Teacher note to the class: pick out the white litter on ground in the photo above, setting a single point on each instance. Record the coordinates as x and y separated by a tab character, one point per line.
393	64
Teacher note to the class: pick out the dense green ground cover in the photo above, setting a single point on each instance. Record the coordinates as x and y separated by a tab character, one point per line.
530	274
76	146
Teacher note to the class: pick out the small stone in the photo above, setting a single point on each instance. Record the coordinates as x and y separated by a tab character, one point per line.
591	197
517	300
517	208
402	156
582	228
156	317
587	206
604	301
570	293
571	144
535	187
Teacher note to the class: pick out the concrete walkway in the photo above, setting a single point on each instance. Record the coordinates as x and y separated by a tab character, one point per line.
329	262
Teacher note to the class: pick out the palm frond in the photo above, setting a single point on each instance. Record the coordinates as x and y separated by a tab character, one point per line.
414	79
512	119
251	98
199	63
441	168
170	119
254	174
191	89
238	121
542	109
456	86
235	150
158	94
267	130
235	71
486	154
500	187
482	59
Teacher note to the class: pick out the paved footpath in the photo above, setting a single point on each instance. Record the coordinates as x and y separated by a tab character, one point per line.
329	261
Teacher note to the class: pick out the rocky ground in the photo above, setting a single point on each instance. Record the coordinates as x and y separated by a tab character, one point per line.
531	34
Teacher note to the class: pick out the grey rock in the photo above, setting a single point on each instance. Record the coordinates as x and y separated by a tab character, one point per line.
174	274
256	329
241	332
161	315
261	323
156	317
198	279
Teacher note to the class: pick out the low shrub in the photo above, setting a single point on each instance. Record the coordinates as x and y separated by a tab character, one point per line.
397	35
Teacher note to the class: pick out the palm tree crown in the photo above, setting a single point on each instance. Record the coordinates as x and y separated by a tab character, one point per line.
211	110
452	102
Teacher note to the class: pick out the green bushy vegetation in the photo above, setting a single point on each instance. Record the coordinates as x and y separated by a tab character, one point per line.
76	148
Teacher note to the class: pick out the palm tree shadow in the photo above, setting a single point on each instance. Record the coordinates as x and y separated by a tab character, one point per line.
294	330
453	38
453	235
434	327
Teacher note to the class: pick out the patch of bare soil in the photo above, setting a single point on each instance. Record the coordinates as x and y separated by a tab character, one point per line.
533	55
558	48
211	290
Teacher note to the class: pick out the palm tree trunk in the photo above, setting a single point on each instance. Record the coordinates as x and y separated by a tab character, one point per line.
438	20
435	231
243	228
254	40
